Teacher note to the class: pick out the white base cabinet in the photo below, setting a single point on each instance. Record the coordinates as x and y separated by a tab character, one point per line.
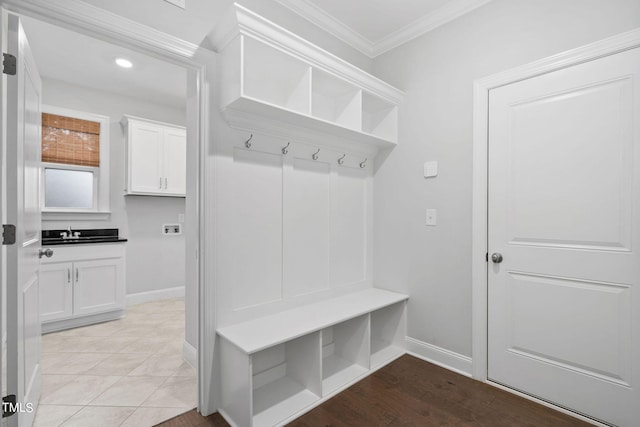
275	368
56	291
81	281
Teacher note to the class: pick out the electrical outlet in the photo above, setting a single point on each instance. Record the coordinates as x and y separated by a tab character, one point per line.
431	217
171	229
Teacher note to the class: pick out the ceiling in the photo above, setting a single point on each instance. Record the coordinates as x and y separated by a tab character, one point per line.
376	26
81	60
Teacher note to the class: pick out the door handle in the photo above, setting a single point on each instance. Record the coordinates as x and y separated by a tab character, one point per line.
45	252
165	183
77	274
68	275
496	257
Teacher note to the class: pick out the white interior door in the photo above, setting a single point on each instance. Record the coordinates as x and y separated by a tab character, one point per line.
23	210
564	213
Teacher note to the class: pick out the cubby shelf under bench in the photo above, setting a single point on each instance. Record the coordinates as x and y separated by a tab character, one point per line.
277	367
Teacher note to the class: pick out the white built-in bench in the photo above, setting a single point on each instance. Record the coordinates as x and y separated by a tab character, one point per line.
277	367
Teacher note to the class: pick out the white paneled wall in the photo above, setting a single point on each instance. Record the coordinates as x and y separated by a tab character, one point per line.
298	229
306	225
256	240
348	226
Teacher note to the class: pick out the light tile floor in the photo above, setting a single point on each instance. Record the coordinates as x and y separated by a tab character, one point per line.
127	372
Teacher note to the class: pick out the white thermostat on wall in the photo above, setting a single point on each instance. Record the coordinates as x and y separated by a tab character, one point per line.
430	169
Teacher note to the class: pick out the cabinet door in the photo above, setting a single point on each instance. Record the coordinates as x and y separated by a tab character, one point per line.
145	158
175	161
56	291
98	286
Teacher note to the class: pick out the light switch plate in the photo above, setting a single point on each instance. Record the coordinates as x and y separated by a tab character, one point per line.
431	218
430	169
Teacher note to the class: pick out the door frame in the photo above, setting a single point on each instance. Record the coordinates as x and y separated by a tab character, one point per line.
479	244
200	64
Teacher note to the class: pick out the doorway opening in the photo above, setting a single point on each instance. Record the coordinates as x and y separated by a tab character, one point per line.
88	342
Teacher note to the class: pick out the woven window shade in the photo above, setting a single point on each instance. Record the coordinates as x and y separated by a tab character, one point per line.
70	141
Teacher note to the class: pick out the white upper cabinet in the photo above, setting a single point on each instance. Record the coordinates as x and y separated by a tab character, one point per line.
273	79
156	157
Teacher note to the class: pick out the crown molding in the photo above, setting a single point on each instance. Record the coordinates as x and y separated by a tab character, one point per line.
446	13
330	24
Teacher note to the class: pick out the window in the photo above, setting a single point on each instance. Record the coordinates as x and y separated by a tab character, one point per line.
75	164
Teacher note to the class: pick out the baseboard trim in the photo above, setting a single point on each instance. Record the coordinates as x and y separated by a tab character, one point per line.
190	355
76	322
140	297
439	356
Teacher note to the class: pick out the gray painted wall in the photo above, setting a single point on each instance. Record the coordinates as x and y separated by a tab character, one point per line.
437	70
154	261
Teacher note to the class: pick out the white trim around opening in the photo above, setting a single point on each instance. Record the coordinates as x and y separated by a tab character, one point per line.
80	16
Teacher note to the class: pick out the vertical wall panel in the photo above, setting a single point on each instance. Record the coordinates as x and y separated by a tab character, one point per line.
306	227
348	238
256	244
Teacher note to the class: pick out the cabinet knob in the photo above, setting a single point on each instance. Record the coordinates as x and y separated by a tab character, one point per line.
45	252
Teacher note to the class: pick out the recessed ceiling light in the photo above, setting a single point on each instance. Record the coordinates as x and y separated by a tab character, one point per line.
124	63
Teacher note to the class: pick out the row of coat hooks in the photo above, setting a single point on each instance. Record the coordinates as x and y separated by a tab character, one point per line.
314	156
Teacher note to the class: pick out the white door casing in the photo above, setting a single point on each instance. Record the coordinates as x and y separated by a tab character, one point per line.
23	209
564	210
201	64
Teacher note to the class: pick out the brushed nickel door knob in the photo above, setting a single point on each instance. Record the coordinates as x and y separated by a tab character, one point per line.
45	252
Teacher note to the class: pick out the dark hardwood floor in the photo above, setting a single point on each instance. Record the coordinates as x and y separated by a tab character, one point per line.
411	392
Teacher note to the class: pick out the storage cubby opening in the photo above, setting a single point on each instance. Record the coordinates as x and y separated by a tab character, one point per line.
335	100
379	117
345	353
275	77
387	333
286	379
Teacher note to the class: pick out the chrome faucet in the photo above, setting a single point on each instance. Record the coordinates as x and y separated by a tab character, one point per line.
70	234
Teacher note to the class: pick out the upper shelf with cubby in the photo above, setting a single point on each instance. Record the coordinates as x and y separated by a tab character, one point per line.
269	73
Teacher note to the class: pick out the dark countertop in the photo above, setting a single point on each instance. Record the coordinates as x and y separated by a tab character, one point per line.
87	236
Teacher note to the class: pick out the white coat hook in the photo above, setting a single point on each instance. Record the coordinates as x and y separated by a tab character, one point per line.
285	149
341	159
315	155
363	163
247	143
